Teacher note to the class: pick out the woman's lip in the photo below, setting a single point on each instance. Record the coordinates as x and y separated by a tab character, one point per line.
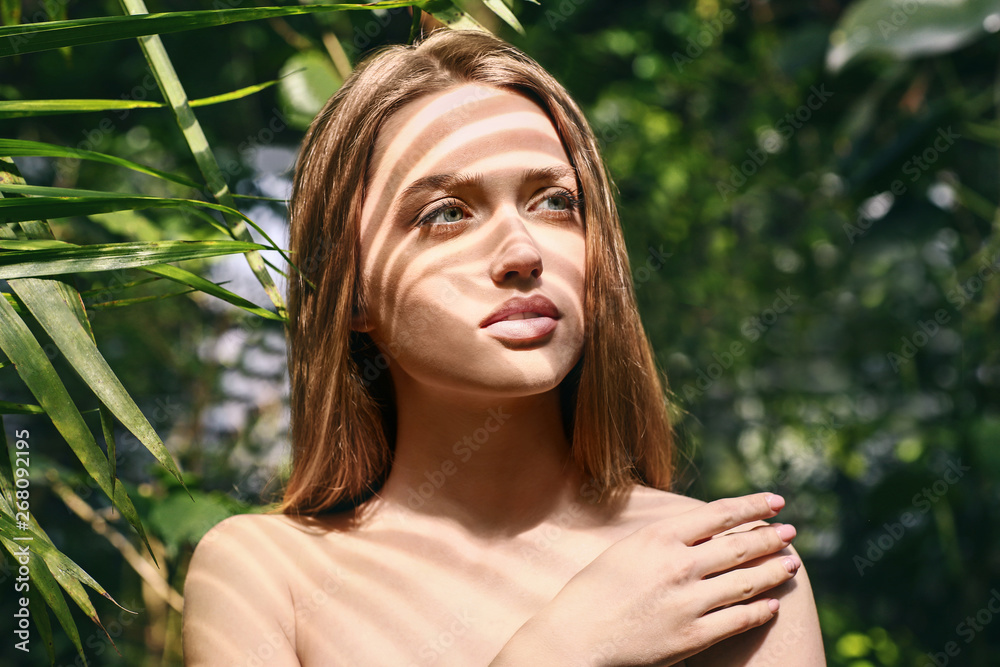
526	329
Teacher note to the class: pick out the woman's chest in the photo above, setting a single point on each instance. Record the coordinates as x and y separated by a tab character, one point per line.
416	603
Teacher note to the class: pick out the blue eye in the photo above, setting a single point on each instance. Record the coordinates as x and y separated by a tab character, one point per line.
570	202
452	212
446	213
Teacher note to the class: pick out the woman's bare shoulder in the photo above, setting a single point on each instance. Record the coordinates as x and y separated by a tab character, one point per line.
241	530
792	638
237	596
653	504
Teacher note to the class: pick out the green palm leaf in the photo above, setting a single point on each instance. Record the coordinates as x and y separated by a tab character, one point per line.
19	147
29	38
38	374
110	256
42	581
22	108
59	309
208	287
8	408
173	92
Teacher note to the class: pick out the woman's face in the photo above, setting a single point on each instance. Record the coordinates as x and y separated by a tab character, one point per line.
472	204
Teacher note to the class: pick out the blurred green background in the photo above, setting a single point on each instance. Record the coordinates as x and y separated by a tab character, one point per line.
809	194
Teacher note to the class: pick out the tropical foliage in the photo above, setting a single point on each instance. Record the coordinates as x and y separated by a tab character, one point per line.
810	199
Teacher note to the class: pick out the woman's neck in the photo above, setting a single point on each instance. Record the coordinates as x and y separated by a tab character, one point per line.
493	468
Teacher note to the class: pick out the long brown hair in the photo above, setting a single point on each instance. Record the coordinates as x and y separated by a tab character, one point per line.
342	405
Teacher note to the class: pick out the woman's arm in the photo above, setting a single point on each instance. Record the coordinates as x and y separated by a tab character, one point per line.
792	639
237	607
666	592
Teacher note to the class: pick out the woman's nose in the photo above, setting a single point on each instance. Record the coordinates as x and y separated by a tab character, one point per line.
517	252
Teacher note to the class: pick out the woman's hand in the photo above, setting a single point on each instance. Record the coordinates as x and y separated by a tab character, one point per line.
667	591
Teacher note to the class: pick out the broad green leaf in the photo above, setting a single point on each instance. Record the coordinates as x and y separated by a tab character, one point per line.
15	210
59	310
308	80
77	32
111	256
108	430
906	28
39	615
18	147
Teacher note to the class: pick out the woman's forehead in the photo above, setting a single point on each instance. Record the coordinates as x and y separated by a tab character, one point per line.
440	126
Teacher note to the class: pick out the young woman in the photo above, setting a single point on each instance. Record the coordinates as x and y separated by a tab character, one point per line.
481	447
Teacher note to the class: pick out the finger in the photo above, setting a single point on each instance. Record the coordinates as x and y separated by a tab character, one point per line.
712	518
725	623
729	551
744	583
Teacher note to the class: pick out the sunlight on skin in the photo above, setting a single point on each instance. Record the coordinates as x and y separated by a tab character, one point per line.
448	580
440	283
429	288
398	592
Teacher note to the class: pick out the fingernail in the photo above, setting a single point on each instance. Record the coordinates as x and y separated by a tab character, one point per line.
773	604
775	501
786	532
792	564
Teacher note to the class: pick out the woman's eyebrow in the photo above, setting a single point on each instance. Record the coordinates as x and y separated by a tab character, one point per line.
435	182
